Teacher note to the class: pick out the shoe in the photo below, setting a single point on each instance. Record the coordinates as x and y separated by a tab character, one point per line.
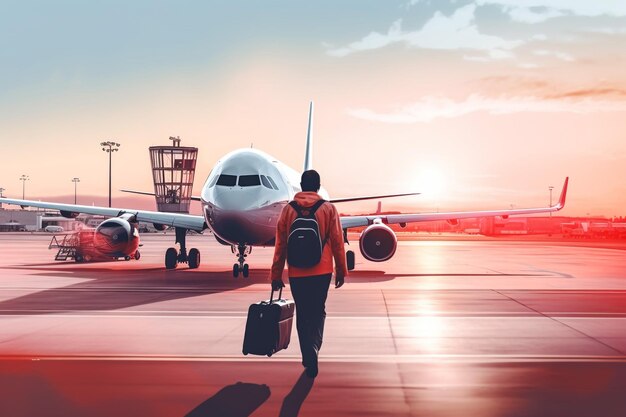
310	362
311	371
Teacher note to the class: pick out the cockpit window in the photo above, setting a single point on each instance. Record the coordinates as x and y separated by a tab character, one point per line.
265	182
227	180
249	180
213	181
273	183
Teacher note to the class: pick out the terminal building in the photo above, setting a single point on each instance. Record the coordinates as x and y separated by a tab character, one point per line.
34	220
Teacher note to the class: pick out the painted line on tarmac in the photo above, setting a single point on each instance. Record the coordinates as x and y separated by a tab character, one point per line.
253	288
335	316
432	359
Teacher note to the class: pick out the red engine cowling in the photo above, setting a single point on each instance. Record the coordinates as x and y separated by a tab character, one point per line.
378	243
116	238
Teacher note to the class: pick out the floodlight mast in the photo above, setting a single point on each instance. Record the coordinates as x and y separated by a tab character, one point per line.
75	180
551	187
24	178
110	147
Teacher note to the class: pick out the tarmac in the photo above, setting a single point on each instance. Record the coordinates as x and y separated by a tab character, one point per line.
472	327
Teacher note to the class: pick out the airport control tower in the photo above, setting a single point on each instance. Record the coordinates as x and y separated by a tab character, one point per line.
173	170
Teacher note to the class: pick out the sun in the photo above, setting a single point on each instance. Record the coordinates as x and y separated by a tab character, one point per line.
431	182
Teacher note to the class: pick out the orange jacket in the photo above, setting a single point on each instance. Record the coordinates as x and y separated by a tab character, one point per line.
330	227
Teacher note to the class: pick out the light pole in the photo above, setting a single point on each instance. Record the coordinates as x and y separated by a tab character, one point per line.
550	187
75	180
1	191
24	178
110	147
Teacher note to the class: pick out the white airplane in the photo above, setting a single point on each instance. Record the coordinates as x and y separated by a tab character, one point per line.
242	199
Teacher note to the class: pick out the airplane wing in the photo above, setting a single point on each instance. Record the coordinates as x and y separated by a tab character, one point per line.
186	221
334	200
357	221
371	197
193	197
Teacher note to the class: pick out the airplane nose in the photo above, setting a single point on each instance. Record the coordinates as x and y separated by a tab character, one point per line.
239	199
232	226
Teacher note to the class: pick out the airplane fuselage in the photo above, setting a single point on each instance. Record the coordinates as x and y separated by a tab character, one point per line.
244	195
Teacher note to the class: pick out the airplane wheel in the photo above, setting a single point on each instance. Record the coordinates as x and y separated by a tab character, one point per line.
137	255
350	260
236	270
127	258
245	270
171	258
194	258
78	258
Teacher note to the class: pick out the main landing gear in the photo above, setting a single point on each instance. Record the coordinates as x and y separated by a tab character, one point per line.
350	260
242	252
174	257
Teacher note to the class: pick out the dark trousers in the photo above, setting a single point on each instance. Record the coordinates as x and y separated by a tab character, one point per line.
310	294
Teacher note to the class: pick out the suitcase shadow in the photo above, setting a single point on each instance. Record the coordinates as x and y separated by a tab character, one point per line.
237	400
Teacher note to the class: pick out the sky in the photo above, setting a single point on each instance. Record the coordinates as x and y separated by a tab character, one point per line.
477	104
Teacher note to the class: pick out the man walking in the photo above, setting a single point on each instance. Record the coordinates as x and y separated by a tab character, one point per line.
310	263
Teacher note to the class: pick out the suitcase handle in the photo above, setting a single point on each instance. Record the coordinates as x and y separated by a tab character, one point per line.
280	295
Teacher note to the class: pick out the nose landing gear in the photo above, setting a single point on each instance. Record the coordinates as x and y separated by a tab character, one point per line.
174	257
242	252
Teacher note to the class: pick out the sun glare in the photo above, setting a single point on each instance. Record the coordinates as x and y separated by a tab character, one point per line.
431	182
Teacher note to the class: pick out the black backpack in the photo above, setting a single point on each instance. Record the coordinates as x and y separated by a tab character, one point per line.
305	245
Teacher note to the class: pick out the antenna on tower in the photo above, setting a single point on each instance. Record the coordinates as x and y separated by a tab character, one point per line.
176	140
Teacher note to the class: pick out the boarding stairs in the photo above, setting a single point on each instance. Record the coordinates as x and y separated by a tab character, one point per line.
67	247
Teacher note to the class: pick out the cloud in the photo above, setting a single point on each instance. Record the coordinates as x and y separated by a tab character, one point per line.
559	55
527	15
455	32
430	108
374	40
608	31
537	11
575	7
589	92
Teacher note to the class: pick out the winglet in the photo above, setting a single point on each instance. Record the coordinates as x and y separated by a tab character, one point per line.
308	155
561	202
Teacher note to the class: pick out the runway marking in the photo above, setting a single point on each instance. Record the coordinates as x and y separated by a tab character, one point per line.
561	274
407	402
334	316
563	324
430	358
254	288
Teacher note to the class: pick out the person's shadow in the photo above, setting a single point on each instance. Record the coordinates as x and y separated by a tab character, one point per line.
242	399
294	400
237	400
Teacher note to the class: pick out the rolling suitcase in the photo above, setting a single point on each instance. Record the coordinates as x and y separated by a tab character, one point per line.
268	328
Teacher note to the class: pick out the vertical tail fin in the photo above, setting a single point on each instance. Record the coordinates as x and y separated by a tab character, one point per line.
308	155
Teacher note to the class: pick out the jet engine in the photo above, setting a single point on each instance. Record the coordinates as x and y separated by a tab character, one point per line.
116	237
378	242
69	214
159	227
